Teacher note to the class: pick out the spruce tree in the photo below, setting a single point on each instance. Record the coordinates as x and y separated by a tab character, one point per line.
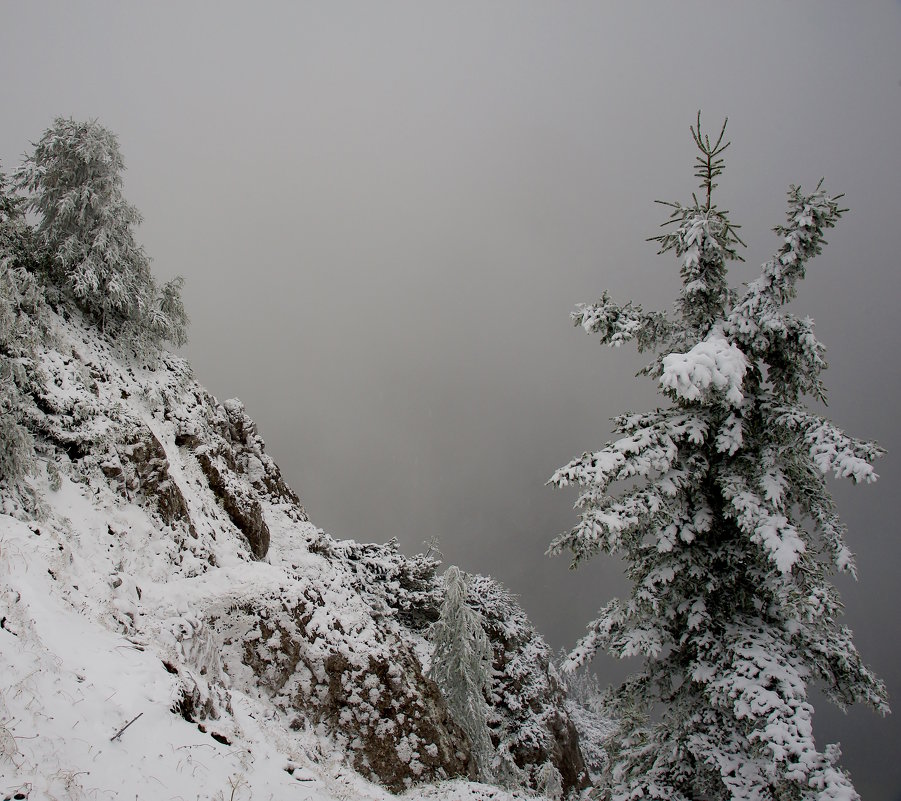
725	522
461	667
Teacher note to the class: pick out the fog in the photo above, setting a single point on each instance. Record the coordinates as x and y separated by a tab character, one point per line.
385	213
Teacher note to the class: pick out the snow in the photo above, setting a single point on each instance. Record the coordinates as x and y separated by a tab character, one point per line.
714	364
69	684
108	617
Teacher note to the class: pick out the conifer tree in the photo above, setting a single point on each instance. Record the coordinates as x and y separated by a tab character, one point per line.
21	306
75	180
461	667
549	781
167	320
726	524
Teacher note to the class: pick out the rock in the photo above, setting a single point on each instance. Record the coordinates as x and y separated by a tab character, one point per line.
149	475
374	696
239	502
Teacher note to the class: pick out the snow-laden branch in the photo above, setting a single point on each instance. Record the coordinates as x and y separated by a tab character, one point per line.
617	324
651	444
830	449
779	537
712	367
808	218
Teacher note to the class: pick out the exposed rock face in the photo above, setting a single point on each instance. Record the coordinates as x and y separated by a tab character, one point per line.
141	467
252	460
240	504
565	753
232	456
343	673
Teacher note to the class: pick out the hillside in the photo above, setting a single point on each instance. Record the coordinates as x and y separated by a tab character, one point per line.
158	571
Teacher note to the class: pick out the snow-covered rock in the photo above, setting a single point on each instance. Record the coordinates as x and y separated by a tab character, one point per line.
157	568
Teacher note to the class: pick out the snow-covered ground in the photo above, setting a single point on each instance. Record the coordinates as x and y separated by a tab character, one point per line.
69	685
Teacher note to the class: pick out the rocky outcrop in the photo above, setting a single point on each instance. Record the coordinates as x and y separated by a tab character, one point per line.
326	662
252	460
140	467
232	456
565	753
530	725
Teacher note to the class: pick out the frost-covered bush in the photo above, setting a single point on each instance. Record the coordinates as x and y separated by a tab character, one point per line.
408	586
726	525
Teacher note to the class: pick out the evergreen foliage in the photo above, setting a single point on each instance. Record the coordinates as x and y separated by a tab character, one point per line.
391	581
16	442
21	305
461	667
727	527
167	320
526	694
75	180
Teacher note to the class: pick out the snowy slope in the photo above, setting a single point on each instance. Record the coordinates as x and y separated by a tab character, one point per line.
70	683
157	569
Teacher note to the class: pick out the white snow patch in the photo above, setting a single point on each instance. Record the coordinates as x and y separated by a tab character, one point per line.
714	364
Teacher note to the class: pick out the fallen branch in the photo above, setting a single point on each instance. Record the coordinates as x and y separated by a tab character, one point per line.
119	733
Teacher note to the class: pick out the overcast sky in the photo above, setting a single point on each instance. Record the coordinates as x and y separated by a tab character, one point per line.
384	213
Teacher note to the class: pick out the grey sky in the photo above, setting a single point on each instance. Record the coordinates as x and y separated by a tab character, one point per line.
385	213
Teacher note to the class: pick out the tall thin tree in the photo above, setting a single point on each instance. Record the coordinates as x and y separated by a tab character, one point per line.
726	524
461	667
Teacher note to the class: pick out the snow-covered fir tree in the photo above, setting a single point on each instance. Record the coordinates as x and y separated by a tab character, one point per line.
461	667
726	524
549	781
75	180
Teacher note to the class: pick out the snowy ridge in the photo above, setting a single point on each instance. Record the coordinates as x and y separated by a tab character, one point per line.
157	571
